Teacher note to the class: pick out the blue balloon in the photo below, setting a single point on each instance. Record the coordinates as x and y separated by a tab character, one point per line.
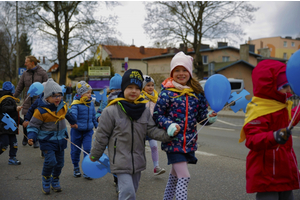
217	91
293	72
96	169
35	89
63	89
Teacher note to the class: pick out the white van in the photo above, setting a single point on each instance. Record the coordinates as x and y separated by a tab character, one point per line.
237	85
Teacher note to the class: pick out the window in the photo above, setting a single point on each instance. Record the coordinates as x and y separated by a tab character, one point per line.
123	67
285	43
284	56
293	44
225	58
204	59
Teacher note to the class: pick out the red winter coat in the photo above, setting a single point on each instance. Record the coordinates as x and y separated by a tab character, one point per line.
270	166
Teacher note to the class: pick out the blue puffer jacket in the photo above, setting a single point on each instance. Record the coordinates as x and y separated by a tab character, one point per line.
85	114
184	110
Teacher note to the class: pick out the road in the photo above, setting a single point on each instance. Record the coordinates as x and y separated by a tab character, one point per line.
218	175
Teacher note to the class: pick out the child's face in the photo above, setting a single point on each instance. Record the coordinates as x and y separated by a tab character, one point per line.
149	87
56	99
87	94
286	89
181	75
132	92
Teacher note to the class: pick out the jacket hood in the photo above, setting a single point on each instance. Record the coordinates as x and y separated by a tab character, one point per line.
264	78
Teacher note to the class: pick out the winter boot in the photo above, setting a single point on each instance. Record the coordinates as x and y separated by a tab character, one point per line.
77	172
13	161
46	180
55	184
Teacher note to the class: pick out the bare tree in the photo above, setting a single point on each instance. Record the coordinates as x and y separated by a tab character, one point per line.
71	26
191	21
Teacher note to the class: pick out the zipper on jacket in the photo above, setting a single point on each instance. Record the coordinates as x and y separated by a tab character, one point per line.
132	140
186	121
115	149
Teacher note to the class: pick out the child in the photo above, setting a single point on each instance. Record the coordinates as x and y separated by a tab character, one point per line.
149	93
84	111
181	102
124	125
49	127
271	165
8	106
114	90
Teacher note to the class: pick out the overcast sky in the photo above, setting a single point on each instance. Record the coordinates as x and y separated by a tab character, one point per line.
274	18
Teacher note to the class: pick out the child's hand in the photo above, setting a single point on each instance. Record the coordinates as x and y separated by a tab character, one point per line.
30	142
74	126
25	124
19	108
177	131
92	159
213	114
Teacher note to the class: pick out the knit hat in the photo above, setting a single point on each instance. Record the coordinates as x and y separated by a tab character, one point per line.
82	87
281	80
147	79
180	59
51	88
115	82
8	86
132	76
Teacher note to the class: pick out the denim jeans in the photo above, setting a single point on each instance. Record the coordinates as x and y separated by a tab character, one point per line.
69	98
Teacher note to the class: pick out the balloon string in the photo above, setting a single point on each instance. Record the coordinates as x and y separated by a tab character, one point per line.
197	132
84	151
294	118
222	109
25	100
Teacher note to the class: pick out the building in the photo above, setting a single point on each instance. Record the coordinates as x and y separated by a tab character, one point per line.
55	74
226	60
277	47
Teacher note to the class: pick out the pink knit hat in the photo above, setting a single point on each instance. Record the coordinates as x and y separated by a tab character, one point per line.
180	59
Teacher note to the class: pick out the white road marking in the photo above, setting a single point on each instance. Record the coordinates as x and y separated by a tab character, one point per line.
204	153
227	123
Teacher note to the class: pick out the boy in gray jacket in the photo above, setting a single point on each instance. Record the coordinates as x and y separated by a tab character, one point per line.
123	127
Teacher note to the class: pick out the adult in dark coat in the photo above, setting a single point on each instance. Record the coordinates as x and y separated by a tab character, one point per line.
34	73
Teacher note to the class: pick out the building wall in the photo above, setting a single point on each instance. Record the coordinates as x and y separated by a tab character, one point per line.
240	71
276	45
132	64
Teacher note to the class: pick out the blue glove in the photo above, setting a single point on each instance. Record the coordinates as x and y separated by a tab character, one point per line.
172	128
211	119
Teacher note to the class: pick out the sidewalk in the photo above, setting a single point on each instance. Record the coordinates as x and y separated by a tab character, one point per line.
230	113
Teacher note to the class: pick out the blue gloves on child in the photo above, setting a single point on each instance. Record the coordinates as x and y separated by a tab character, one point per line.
211	119
282	135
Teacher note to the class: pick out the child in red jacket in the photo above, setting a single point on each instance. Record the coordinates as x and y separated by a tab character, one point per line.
271	166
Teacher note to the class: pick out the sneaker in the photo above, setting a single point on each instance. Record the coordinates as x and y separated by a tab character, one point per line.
158	170
117	189
55	184
77	172
13	161
87	177
46	180
24	142
36	144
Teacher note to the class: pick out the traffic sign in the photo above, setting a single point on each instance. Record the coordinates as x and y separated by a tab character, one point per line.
21	71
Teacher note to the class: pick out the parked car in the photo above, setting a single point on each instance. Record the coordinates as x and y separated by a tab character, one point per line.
237	85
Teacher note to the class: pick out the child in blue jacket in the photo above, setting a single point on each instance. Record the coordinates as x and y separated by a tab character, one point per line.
48	125
84	111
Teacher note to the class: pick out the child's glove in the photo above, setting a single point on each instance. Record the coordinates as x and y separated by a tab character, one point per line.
211	119
282	135
172	128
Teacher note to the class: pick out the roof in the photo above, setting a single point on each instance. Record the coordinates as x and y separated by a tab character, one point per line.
55	66
132	52
223	65
202	51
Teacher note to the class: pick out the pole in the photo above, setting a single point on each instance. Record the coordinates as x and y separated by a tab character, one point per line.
17	32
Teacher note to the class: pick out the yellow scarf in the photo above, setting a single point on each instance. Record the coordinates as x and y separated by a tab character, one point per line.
123	99
259	107
6	96
83	100
57	117
187	91
152	98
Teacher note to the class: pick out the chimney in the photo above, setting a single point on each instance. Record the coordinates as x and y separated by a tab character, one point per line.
44	60
142	49
244	52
